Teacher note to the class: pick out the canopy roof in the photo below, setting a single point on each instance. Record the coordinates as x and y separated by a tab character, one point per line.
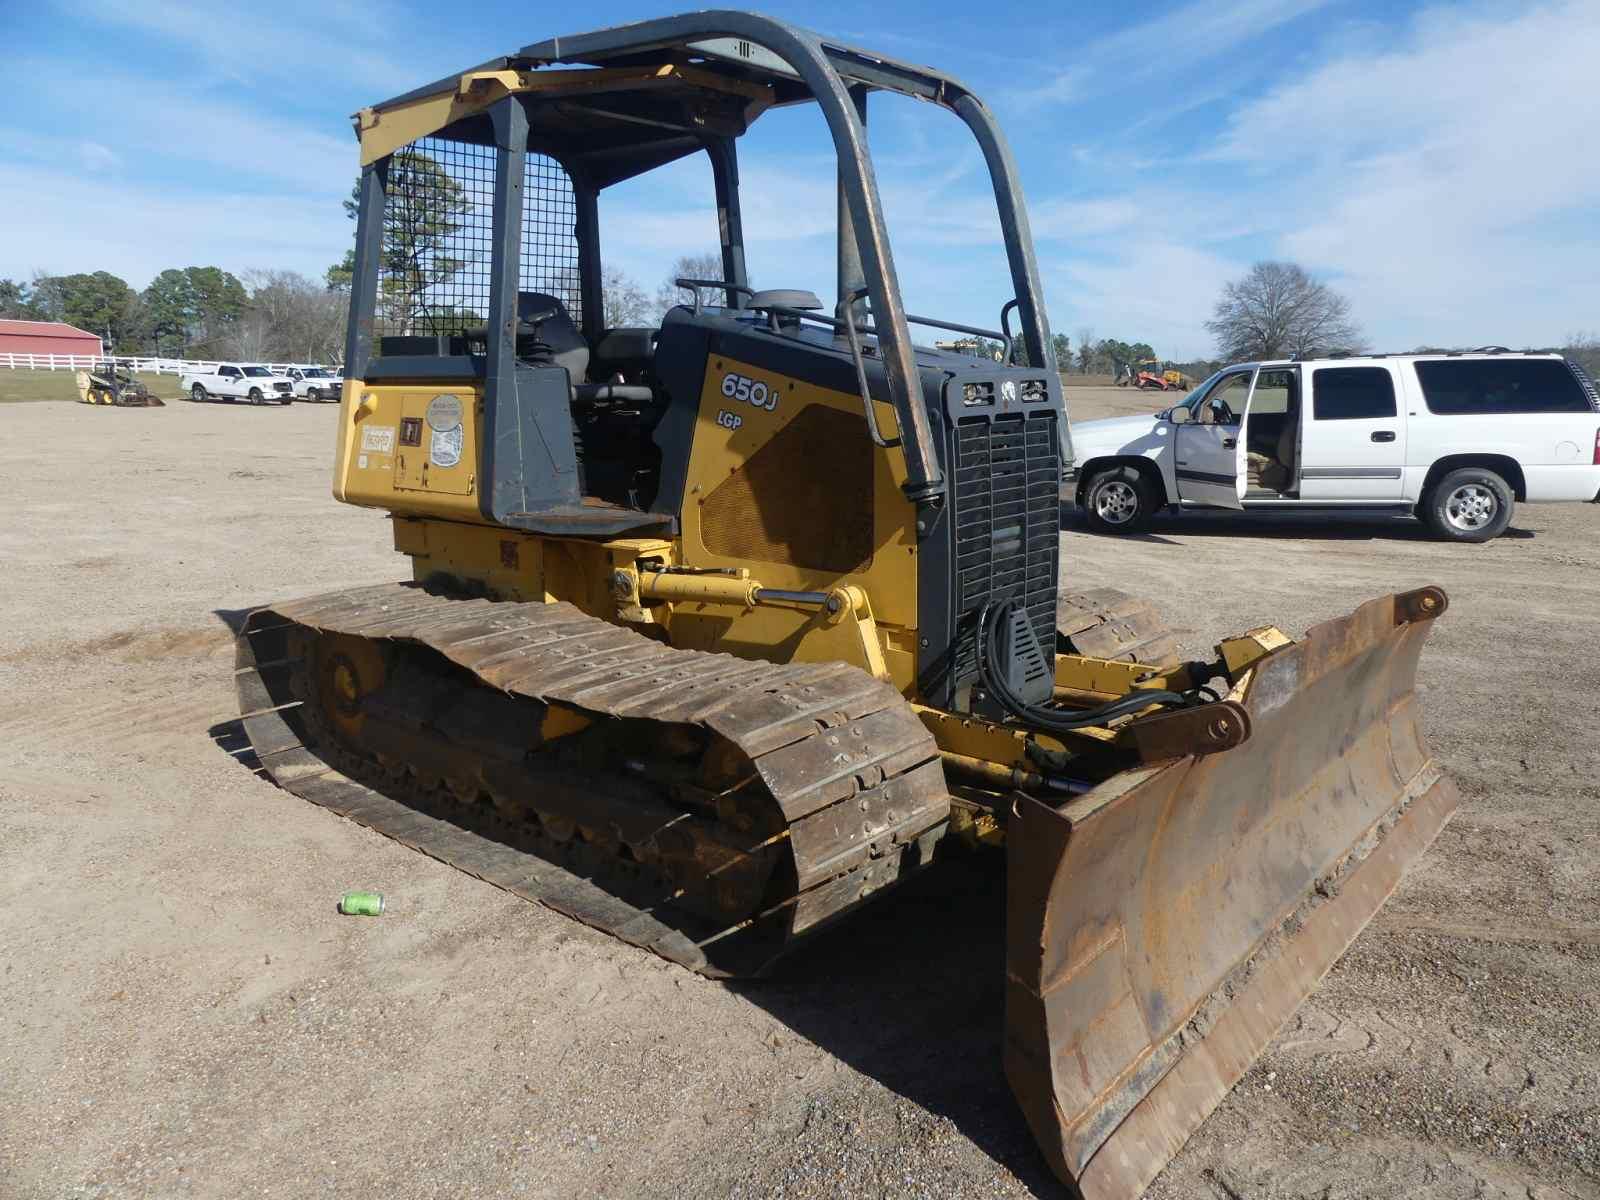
618	102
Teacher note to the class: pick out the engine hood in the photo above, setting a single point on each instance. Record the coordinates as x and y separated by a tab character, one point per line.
1132	434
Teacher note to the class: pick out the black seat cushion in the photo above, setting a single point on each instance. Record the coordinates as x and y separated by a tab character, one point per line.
626	352
558	331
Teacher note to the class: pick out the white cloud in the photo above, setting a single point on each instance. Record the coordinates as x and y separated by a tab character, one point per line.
1200	30
97	157
94	224
199	138
1449	184
1442	176
262	45
1154	289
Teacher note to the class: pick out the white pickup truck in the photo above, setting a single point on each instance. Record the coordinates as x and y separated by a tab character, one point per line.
314	383
238	381
1453	439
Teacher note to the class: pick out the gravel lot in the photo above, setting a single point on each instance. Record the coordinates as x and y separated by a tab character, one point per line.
182	1013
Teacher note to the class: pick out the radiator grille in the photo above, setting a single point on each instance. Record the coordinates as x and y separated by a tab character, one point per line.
1007	521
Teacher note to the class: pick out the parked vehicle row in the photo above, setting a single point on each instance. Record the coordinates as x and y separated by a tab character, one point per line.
1453	439
261	385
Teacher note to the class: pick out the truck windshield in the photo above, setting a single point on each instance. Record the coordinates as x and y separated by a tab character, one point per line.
1199	390
257	372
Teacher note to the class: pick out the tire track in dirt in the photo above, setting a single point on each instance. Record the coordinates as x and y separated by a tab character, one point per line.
127	692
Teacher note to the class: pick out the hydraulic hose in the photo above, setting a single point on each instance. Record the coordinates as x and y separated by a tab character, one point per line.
990	621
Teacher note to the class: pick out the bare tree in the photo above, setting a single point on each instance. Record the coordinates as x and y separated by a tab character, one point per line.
1279	311
689	266
1584	349
625	301
1085	347
288	318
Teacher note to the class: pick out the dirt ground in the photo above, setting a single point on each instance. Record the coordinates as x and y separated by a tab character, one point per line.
182	1012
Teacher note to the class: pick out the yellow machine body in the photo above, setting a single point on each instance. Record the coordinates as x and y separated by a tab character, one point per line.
717	628
385	460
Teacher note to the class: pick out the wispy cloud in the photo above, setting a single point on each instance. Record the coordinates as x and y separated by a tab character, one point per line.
263	46
1447	181
97	157
68	221
1192	34
1152	288
176	128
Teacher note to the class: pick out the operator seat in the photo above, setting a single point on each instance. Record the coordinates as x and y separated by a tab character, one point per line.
568	348
555	328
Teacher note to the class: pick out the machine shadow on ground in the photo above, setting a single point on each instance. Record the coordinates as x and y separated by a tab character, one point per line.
910	991
1295	526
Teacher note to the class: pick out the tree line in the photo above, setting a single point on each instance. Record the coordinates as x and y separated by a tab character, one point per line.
192	312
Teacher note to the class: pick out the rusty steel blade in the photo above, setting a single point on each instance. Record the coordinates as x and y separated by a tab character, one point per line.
1163	927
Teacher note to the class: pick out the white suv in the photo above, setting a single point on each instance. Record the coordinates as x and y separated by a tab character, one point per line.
1455	439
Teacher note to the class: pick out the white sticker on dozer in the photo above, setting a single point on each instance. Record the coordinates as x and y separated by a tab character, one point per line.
444	448
378	439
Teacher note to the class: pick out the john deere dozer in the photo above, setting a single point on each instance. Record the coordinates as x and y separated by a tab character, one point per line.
717	629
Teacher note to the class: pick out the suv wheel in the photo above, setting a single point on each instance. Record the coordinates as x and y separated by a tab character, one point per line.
1117	500
1471	504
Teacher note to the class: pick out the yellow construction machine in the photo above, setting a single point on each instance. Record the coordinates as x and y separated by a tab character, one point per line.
113	384
719	628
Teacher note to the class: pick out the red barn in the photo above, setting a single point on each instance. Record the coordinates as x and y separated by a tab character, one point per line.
47	337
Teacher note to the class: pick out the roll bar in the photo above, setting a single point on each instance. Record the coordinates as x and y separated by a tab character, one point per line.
838	78
798	65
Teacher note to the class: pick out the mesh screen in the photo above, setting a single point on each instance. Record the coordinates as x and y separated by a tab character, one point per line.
549	243
437	259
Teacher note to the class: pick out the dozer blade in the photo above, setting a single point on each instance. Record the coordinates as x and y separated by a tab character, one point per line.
1162	927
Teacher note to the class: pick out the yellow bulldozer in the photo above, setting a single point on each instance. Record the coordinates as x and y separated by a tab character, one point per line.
719	629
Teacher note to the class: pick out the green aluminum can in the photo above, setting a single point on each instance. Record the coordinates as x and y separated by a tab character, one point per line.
361	904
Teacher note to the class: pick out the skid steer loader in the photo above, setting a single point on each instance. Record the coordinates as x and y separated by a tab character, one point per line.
112	384
717	629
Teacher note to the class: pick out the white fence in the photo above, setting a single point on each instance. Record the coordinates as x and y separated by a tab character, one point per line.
156	366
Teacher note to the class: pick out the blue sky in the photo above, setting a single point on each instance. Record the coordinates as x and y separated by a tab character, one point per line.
1438	163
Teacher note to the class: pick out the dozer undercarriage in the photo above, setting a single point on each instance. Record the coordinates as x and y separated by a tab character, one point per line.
725	806
716	630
